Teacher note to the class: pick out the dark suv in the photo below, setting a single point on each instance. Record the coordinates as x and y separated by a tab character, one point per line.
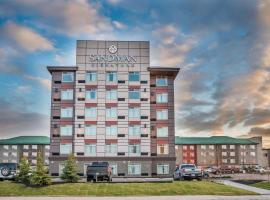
8	170
99	171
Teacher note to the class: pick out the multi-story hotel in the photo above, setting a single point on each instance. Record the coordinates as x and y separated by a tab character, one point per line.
13	149
220	151
112	106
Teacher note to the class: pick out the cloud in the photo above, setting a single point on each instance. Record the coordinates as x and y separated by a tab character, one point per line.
119	25
46	83
26	38
15	122
24	89
114	2
71	17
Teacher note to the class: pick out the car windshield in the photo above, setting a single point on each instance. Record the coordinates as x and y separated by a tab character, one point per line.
187	166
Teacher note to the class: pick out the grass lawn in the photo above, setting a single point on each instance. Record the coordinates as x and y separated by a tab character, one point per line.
263	185
8	188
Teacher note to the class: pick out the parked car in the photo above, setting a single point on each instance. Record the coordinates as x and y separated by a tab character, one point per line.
99	171
228	170
260	169
188	171
8	171
211	170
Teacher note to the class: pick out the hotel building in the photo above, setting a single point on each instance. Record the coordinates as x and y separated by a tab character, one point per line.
13	149
219	151
112	106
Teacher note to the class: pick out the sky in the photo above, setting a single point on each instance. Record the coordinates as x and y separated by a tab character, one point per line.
222	48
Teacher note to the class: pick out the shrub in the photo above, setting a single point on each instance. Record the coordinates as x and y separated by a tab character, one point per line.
24	172
40	176
69	173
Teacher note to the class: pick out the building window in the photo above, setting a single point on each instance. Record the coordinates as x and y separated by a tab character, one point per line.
90	129
134	130
224	146
191	147
252	146
91	76
232	153
252	153
232	146
162	131
34	146
111	94
111	148
212	147
67	76
191	154
162	114
134	112
111	112
232	161
67	94
243	146
134	76
184	147
66	130
114	169
162	149
34	154
111	130
211	154
161	81
91	112
134	169
5	147
91	94
224	160
203	154
65	148
90	149
203	147
162	169
5	154
14	147
162	98
66	112
111	76
224	153
25	146
34	162
47	147
134	149
134	94
25	154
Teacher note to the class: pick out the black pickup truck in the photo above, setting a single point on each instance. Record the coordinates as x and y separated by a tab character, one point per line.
99	171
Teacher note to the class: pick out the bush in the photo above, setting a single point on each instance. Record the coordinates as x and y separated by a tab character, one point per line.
69	173
40	175
24	172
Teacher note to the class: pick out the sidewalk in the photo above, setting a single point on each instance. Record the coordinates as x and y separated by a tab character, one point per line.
201	197
245	187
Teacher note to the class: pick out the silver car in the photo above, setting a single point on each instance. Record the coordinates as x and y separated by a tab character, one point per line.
188	172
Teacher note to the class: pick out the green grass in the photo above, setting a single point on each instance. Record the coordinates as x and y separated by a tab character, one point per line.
263	185
8	188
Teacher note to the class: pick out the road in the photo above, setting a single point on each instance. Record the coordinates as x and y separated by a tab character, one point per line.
257	197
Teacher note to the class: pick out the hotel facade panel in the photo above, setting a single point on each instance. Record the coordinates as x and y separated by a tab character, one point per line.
13	149
112	106
217	151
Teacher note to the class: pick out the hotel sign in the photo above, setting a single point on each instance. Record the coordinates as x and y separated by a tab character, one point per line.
112	58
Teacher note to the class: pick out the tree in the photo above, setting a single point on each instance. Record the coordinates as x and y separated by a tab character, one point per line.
23	175
69	173
40	176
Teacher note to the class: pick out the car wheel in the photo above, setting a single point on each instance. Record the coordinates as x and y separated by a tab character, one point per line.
199	179
5	171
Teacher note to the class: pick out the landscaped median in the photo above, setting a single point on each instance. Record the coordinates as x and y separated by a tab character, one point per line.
8	188
262	184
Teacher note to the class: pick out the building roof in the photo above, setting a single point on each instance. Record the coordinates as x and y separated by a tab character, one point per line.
212	140
26	140
164	70
61	68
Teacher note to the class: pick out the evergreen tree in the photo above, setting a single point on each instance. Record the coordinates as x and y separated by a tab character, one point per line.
23	175
40	175
69	173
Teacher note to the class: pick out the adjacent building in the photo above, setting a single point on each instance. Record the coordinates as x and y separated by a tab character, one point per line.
12	149
112	106
217	151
